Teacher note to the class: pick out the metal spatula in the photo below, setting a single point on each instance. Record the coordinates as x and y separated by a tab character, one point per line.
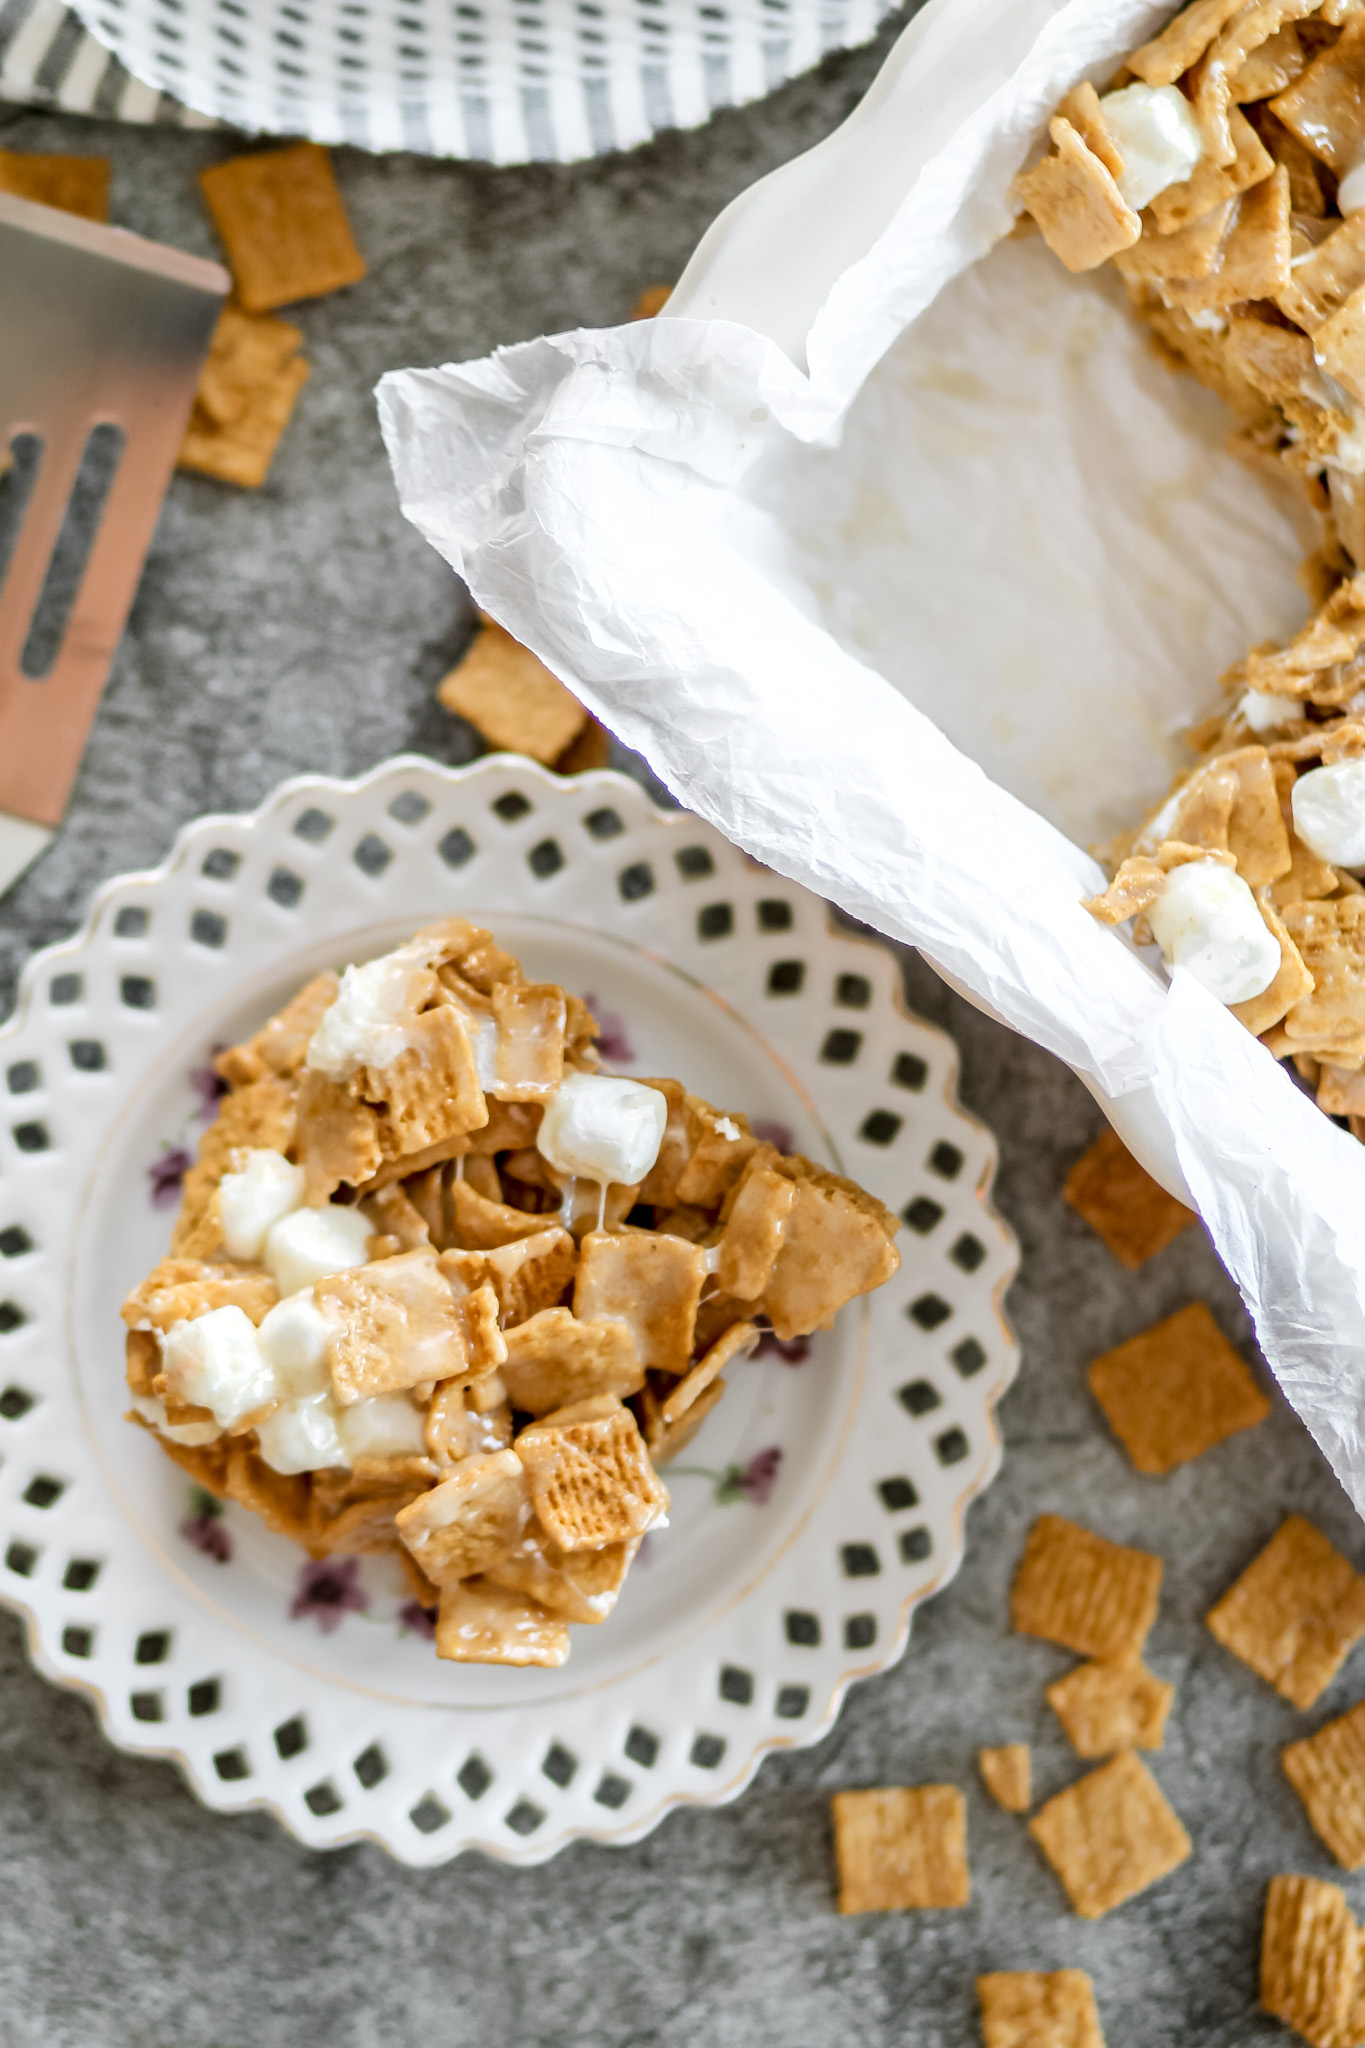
102	336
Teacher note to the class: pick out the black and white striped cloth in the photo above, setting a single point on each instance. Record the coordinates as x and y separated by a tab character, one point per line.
48	58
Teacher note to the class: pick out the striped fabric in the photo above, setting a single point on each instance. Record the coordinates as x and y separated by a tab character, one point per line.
48	58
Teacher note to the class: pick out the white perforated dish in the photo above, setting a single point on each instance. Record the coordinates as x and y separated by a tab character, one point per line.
780	1578
508	81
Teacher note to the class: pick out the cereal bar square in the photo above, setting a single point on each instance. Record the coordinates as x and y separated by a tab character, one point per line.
1295	1614
1176	1390
901	1846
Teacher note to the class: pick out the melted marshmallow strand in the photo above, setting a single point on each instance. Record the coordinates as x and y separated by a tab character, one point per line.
1206	919
1329	812
1158	137
600	1127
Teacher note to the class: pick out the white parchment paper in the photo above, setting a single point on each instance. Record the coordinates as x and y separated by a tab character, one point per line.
917	626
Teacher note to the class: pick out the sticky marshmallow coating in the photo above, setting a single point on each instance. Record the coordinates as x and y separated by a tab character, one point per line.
293	1342
385	1426
1206	919
366	1024
1329	812
1351	190
603	1128
249	1202
302	1436
1158	137
215	1362
311	1243
153	1409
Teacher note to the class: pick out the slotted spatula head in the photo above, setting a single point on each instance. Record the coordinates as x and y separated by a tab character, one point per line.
102	337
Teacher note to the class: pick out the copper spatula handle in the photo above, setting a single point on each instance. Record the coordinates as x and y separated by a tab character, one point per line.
96	327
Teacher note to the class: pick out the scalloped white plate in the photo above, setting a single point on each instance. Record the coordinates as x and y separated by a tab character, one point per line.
823	1498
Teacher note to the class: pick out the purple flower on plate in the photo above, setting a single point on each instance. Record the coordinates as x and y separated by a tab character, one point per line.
772	1133
414	1619
204	1526
209	1087
165	1175
328	1588
753	1482
791	1350
613	1039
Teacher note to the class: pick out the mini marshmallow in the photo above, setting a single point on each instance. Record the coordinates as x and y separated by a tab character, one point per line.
215	1362
1263	712
385	1426
311	1243
366	1024
1351	190
249	1202
1329	812
603	1128
153	1409
293	1340
301	1436
1158	136
1206	919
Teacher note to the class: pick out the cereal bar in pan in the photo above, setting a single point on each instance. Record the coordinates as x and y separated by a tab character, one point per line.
441	1287
1222	173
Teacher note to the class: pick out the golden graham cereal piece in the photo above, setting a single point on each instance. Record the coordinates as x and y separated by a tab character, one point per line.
179	1289
398	1323
1082	214
1327	1770
1292	980
649	1281
1252	260
474	1518
1115	1703
554	1359
283	225
901	1846
480	1623
483	1225
246	392
1176	1390
357	1510
1182	42
281	1044
1084	1592
1325	106
1211	185
73	184
837	1244
737	1342
431	1090
1123	1205
591	1478
582	1585
1038	2009
532	1273
652	300
1295	1614
1007	1774
1311	1975
719	1149
1110	1836
755	1228
338	1135
261	1113
509	696
1331	939
531	1022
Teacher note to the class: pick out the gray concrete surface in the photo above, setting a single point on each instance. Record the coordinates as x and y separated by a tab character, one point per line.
303	627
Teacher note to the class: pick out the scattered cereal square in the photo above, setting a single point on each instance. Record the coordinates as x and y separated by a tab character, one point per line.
651	301
901	1846
1038	2009
1327	1770
1114	1703
1007	1774
1124	1206
1176	1390
510	696
73	184
283	225
1311	1961
246	394
1110	1836
1084	1592
1295	1614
